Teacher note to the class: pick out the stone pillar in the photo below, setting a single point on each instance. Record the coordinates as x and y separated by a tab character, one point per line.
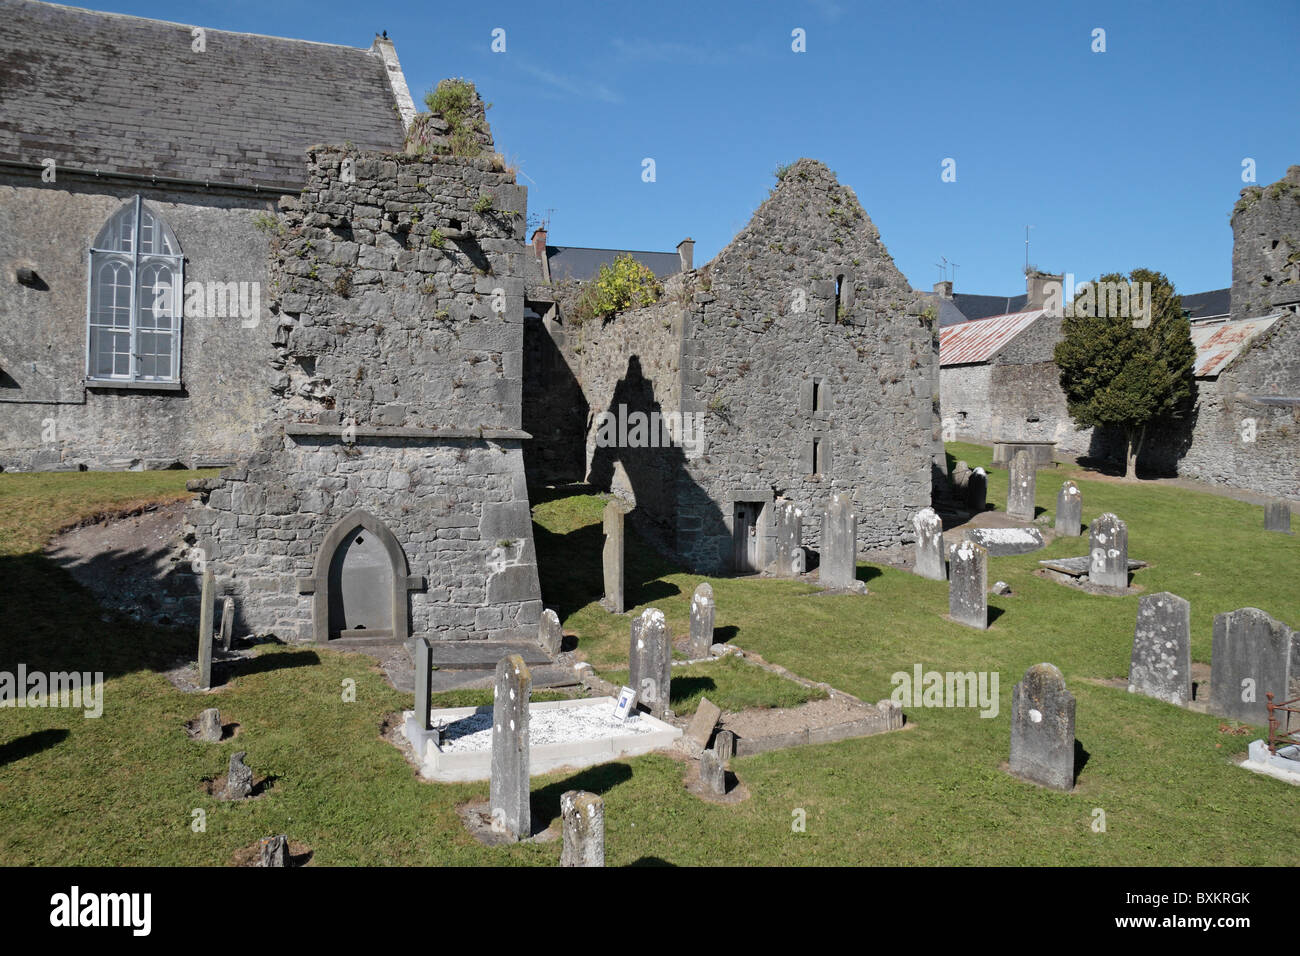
273	851
583	816
1250	657
789	539
968	584
206	610
549	633
977	490
1021	479
210	725
713	772
1069	510
686	254
1108	552
929	545
650	661
612	557
509	787
423	682
702	612
1161	665
839	558
1042	729
1277	516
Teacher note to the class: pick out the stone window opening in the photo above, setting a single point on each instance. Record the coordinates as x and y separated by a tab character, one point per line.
135	296
839	299
817	395
817	456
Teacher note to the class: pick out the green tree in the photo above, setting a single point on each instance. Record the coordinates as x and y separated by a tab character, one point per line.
1117	372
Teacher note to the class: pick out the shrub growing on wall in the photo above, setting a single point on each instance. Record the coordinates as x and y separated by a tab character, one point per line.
625	284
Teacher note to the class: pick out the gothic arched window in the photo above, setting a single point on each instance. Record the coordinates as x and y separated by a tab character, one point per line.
133	316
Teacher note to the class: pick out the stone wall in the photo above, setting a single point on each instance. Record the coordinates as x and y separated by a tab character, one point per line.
1266	247
964	401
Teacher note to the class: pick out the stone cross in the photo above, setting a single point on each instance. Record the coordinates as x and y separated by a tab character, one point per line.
702	612
205	628
273	851
210	725
1042	728
1021	479
839	557
583	816
549	633
1108	552
977	490
423	682
1069	510
650	661
968	584
789	539
929	545
612	557
1277	516
1161	666
1250	656
509	788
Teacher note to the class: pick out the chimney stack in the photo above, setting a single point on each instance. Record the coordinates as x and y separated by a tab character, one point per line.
943	289
1036	286
686	252
539	250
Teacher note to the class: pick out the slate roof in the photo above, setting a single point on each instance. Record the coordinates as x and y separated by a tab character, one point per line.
578	262
972	342
125	94
1205	305
1218	345
984	306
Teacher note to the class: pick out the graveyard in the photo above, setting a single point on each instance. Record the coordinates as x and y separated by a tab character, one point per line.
313	727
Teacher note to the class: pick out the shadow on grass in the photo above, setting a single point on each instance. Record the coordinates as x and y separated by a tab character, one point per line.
264	663
29	744
726	634
867	573
545	803
1080	759
683	687
995	612
650	861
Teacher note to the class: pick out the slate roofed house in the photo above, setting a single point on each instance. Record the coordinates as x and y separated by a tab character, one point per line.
140	166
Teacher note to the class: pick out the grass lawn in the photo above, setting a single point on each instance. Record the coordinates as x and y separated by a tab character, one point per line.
123	789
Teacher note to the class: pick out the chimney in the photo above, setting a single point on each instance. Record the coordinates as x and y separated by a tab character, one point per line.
943	289
686	251
1037	285
539	250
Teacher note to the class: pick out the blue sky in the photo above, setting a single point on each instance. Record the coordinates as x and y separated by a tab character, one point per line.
1131	157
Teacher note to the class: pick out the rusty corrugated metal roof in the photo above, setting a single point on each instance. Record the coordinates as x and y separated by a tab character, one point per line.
1217	345
977	341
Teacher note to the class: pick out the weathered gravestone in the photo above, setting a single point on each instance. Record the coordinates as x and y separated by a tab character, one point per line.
789	539
239	778
612	557
1277	516
583	816
839	557
1108	552
968	584
929	545
210	725
702	614
960	479
1250	656
650	661
977	490
713	772
1161	666
1042	728
1021	479
549	633
205	628
227	623
423	682
724	742
508	792
700	730
273	851
1069	510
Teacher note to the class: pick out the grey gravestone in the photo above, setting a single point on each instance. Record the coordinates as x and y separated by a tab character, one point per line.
205	629
1021	479
650	661
1277	516
789	539
1250	657
1161	666
210	724
274	851
1042	728
1108	552
1069	510
583	816
612	557
724	742
702	613
929	545
239	777
798	561
549	633
509	788
968	583
713	772
423	681
960	478
999	542
227	623
839	565
977	490
700	729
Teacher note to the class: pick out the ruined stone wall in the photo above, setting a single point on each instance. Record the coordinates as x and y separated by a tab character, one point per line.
1266	247
964	400
555	411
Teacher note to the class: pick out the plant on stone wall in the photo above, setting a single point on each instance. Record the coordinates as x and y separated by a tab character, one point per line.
455	101
483	204
437	239
343	284
626	284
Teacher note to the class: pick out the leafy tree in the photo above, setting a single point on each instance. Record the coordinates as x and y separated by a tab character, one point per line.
1121	376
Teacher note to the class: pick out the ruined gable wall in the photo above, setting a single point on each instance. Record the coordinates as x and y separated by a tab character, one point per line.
1266	246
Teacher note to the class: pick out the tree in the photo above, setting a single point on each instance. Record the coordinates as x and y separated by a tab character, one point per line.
1116	374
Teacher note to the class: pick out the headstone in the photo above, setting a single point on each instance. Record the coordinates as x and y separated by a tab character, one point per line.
713	772
839	565
650	661
1069	510
1021	479
1161	665
227	623
423	682
929	545
210	725
999	542
977	490
205	628
1042	728
960	478
702	612
1277	516
1108	552
724	742
583	816
612	557
239	777
968	582
798	561
549	633
700	729
274	851
509	788
789	539
1250	656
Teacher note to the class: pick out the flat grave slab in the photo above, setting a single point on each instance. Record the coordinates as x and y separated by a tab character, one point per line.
999	542
1078	567
1285	764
